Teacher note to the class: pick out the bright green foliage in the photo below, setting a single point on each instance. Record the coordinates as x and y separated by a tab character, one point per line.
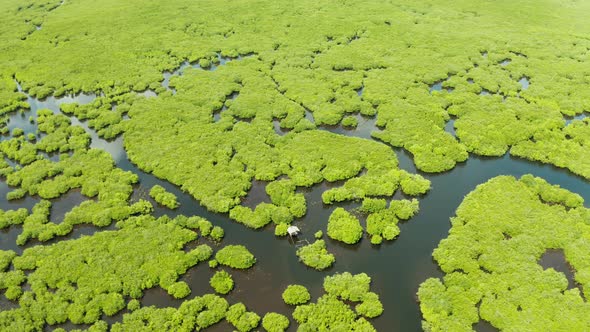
106	122
242	319
133	305
328	314
370	306
197	313
179	290
296	294
78	280
235	256
309	59
13	217
382	224
203	226
229	160
374	183
371	205
567	148
318	69
413	184
6	257
350	122
19	150
274	322
10	99
99	326
355	288
256	218
491	256
332	313
281	229
16	132
404	209
222	282
160	195
11	281
348	287
33	225
204	63
345	227
60	136
94	173
282	193
318	235
376	239
315	255
417	126
217	233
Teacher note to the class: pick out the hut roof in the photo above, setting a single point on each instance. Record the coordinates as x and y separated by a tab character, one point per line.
293	230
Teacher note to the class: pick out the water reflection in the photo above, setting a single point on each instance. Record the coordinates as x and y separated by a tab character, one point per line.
450	127
436	87
360	91
149	94
580	117
524	82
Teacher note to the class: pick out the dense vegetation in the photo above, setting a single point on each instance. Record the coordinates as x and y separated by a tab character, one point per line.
491	261
235	256
273	322
392	52
331	312
242	319
222	282
345	227
198	313
316	255
262	95
91	171
160	195
296	294
79	280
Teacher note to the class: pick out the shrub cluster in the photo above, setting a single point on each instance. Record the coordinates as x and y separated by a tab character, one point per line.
296	294
163	197
235	256
491	255
315	255
111	266
222	282
345	227
274	322
332	311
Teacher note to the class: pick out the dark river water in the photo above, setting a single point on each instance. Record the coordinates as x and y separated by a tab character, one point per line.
397	267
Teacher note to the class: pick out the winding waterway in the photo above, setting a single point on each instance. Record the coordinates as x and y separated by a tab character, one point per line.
397	267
